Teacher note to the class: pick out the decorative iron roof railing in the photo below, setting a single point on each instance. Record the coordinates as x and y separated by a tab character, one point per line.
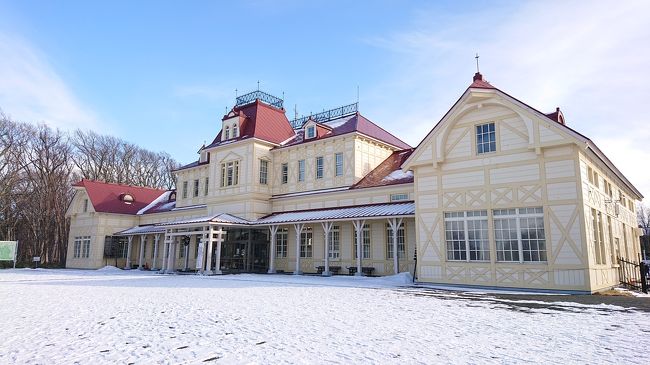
327	115
262	96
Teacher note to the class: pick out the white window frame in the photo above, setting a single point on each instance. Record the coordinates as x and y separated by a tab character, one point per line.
284	175
281	242
399	197
264	172
301	170
85	205
235	131
335	243
307	242
518	214
184	189
227	133
460	223
195	193
319	167
481	134
365	243
206	188
338	158
311	132
401	241
230	173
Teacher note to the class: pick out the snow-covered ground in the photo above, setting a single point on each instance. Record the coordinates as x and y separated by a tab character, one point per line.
114	316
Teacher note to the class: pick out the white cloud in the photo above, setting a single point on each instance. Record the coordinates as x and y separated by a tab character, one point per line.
32	91
591	59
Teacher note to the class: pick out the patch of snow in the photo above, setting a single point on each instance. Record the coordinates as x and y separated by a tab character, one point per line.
109	268
163	197
94	316
398	175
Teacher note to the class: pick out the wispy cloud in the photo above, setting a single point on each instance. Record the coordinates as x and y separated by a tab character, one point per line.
588	58
32	91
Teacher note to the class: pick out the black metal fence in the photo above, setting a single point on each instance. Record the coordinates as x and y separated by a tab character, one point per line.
633	275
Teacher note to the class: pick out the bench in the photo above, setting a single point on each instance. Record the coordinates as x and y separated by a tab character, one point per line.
366	270
333	269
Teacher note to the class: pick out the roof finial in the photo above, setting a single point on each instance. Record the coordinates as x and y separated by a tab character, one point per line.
258	85
236	96
477	56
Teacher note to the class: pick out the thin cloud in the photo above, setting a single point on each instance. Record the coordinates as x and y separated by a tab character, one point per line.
32	91
589	59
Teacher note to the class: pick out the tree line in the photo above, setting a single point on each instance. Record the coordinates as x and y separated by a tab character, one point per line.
38	166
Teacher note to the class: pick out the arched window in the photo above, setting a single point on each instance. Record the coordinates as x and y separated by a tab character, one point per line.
226	134
235	131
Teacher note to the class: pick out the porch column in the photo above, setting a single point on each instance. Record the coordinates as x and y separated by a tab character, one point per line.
219	232
127	266
143	241
394	224
200	255
274	231
208	253
171	253
187	255
358	227
327	227
298	227
154	260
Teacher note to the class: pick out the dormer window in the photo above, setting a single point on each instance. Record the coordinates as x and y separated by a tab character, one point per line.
127	198
311	132
235	131
226	133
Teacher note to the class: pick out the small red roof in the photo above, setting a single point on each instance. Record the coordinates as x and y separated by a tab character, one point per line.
479	83
388	172
109	198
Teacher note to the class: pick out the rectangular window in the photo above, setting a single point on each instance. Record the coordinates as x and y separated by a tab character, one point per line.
398	197
598	239
401	248
365	242
335	243
519	234
206	187
306	248
281	238
466	235
339	163
285	173
596	180
264	172
77	248
184	189
196	188
590	174
230	173
319	167
486	138
301	170
122	248
85	246
311	132
85	205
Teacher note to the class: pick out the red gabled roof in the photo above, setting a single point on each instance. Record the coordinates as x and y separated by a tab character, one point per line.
479	83
388	172
349	124
259	120
107	197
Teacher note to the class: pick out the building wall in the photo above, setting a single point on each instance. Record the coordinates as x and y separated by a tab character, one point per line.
538	170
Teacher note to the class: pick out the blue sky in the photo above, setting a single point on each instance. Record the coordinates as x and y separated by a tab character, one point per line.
161	74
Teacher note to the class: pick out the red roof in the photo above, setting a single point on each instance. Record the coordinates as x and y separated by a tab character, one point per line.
349	124
108	198
479	83
388	172
262	121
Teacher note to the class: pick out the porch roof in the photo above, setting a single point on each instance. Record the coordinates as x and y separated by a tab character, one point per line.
383	210
134	231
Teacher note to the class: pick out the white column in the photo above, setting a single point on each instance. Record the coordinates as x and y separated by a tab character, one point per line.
327	227
208	253
187	255
274	231
298	227
200	255
127	266
171	252
217	262
154	260
143	240
358	227
394	224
